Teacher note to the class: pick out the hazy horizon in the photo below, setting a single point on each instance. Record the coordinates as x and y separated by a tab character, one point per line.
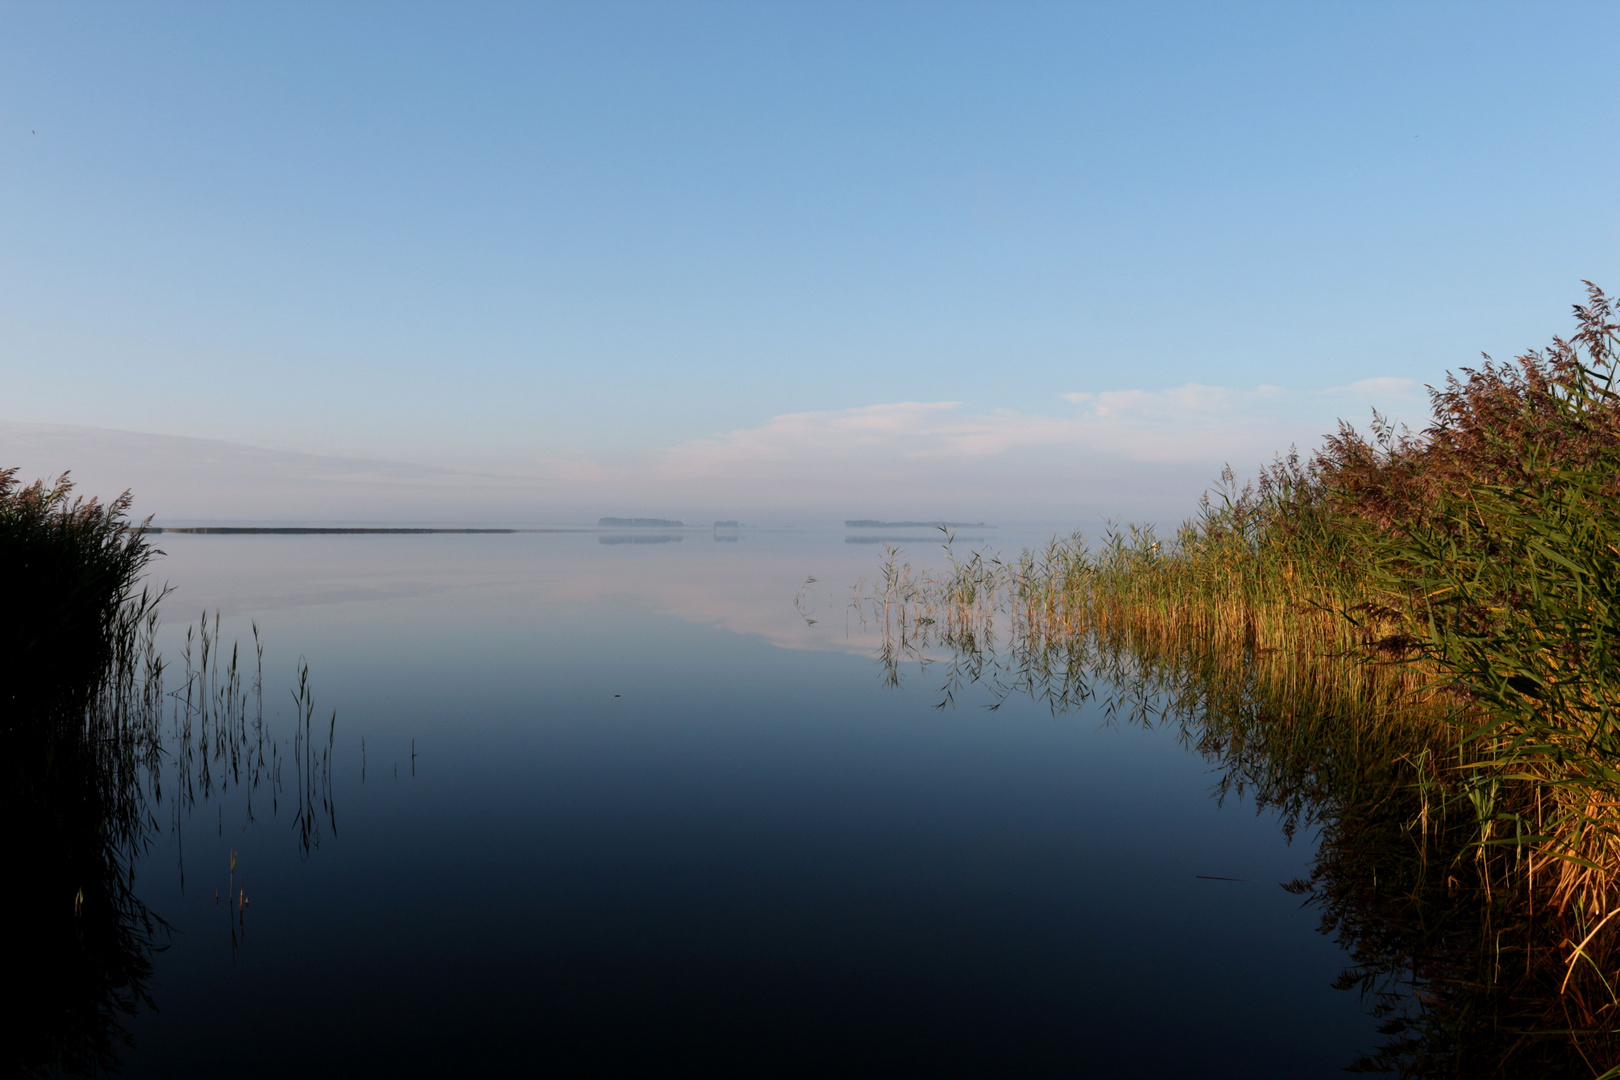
912	461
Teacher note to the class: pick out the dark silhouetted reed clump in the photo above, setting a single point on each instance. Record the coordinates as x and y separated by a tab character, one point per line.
80	707
82	752
73	566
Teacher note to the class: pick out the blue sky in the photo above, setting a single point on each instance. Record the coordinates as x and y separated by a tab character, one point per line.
638	251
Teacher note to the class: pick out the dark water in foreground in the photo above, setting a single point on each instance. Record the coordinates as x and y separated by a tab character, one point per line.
628	809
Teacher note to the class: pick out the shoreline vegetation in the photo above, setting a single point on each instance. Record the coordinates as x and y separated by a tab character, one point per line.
299	530
93	743
1409	642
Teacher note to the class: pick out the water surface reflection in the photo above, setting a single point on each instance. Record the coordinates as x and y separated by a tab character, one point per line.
95	765
626	810
1463	982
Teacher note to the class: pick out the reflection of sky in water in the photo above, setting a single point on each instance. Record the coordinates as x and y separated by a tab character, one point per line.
662	818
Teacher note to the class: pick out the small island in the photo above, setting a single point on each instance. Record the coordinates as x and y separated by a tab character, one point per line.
639	523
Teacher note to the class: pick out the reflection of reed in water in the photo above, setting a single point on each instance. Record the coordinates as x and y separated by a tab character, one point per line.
75	800
215	748
1468	978
79	744
83	741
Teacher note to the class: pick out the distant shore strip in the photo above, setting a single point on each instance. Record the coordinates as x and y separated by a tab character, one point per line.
606	523
296	530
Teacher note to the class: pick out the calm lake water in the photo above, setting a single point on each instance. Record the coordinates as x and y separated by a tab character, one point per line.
601	807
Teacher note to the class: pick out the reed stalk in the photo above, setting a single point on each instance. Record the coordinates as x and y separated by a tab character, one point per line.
1447	601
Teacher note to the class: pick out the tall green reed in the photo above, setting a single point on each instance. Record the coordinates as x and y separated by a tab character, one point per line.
1446	597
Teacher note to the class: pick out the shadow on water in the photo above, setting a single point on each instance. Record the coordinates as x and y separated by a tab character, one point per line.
1464	981
79	758
94	763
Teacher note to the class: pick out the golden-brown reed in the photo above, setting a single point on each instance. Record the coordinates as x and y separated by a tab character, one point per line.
1453	943
1447	601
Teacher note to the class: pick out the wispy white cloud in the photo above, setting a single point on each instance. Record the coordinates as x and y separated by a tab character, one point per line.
1127	452
1188	424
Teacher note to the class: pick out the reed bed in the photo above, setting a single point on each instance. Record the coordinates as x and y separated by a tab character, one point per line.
74	566
1430	618
93	739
